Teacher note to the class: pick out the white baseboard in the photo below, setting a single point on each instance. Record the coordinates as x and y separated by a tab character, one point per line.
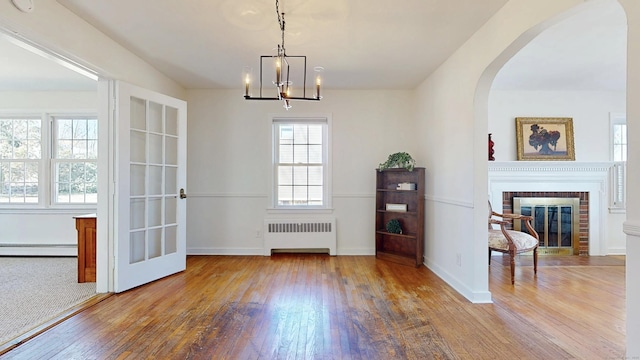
224	251
617	251
38	250
476	297
260	251
357	252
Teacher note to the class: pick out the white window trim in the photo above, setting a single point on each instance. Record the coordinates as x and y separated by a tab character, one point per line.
328	178
45	183
615	119
617	205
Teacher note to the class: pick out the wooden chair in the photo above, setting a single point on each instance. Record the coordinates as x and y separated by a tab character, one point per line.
512	242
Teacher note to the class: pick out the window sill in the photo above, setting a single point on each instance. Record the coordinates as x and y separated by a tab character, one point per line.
300	211
42	210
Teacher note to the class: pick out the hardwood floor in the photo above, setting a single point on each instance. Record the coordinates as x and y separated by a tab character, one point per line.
311	306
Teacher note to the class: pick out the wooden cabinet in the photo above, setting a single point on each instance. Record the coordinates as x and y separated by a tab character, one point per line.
407	206
86	227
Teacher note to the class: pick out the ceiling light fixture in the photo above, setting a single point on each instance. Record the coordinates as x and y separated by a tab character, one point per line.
283	74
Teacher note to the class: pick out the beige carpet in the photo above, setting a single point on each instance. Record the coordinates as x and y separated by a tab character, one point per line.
34	290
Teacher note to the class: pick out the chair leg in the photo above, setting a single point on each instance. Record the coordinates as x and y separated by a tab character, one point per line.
489	257
535	260
512	259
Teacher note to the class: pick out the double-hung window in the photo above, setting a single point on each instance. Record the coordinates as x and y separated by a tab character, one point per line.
74	160
20	159
301	163
48	161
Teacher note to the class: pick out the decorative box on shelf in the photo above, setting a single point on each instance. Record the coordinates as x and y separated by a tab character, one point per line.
406	186
396	207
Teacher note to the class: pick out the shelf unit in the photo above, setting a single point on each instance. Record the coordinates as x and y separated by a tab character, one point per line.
406	248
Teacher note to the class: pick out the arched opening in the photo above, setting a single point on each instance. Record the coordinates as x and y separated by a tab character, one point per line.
563	89
573	65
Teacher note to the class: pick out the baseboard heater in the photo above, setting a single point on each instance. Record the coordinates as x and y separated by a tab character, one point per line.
300	234
31	249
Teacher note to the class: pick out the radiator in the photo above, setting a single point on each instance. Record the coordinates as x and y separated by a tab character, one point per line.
290	234
30	249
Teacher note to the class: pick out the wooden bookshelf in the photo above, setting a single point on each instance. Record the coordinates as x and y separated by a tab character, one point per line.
408	247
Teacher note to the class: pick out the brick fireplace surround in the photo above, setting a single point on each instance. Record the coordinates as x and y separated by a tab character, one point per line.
587	180
507	208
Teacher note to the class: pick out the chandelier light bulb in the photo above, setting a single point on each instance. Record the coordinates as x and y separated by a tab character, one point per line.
318	82
246	78
278	71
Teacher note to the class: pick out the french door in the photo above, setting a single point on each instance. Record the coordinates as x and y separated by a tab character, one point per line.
150	204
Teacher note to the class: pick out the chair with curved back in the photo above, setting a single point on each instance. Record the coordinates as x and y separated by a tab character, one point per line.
512	242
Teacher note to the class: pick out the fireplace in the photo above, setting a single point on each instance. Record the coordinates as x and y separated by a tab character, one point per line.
555	219
542	179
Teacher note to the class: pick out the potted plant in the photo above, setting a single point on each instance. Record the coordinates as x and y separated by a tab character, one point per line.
394	226
400	160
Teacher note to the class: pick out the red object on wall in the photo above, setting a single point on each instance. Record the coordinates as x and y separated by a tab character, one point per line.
491	158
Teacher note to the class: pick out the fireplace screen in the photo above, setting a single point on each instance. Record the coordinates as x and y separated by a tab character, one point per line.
557	221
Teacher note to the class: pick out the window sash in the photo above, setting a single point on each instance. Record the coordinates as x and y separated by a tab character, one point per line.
19	181
74	182
21	159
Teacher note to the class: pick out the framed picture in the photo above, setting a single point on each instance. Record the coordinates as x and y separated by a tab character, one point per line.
545	138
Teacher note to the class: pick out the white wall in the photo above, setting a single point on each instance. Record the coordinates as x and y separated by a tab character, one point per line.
44	231
229	164
48	101
632	224
590	112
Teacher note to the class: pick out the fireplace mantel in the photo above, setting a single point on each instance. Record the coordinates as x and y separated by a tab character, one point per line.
546	176
547	166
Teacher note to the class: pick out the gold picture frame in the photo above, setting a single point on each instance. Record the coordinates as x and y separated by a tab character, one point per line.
540	138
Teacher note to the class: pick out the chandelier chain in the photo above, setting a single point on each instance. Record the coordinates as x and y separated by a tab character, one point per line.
281	23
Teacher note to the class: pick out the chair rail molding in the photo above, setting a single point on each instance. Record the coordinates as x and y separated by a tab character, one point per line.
631	228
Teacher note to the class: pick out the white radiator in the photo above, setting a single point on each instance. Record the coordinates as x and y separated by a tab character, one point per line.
289	234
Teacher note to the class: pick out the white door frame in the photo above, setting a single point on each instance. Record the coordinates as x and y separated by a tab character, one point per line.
105	263
105	240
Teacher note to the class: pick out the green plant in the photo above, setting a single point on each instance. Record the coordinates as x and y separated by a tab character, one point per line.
394	227
398	160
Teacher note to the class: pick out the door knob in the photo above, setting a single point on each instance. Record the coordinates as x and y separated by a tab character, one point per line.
182	194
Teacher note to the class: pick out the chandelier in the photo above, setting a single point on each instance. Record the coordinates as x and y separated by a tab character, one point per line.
282	71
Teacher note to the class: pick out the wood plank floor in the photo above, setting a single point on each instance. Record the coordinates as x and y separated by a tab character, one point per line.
312	306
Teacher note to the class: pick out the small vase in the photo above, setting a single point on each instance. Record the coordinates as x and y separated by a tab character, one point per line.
491	158
545	149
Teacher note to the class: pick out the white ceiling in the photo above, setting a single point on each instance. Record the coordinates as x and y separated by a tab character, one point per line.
372	44
587	51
